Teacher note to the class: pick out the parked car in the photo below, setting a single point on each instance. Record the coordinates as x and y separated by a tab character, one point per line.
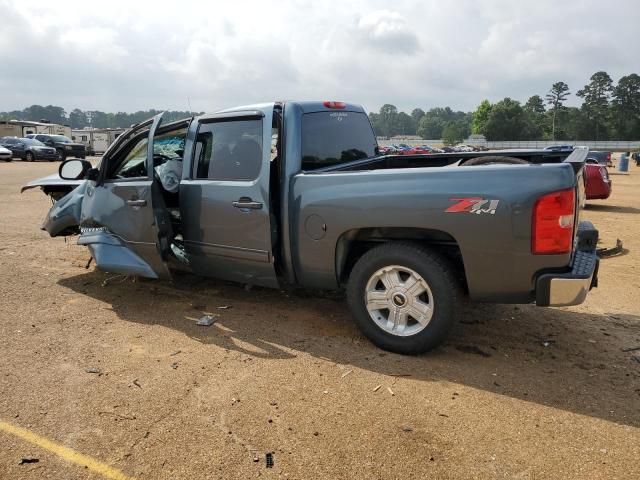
402	235
602	157
560	148
64	145
597	182
29	149
5	154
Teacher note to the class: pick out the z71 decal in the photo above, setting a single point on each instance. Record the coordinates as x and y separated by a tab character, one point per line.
473	205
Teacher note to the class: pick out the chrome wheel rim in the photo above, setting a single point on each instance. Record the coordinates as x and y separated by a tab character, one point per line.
399	300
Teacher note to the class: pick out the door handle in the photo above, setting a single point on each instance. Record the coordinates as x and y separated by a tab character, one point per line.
245	203
136	203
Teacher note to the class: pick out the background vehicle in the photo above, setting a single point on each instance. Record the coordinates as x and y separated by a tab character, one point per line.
63	145
603	158
597	182
5	154
560	148
29	149
404	235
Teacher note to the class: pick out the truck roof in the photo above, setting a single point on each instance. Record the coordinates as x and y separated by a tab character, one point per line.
307	106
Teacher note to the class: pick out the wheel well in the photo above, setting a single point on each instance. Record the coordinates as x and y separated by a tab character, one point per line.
354	243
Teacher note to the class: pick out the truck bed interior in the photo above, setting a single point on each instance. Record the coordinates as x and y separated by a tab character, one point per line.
441	160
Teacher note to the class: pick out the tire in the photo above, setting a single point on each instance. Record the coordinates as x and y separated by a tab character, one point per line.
62	156
29	157
494	160
440	296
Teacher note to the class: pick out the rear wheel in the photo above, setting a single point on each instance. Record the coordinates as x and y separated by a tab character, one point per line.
29	157
402	297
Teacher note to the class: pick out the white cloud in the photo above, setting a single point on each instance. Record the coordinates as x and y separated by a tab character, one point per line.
138	55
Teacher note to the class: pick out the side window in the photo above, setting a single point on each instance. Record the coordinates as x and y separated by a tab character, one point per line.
134	163
229	150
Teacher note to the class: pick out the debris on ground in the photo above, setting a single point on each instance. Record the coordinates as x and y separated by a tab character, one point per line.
472	349
546	343
407	428
28	460
611	252
224	307
198	306
346	373
636	358
135	382
173	354
269	459
174	365
631	349
206	320
391	392
93	370
377	388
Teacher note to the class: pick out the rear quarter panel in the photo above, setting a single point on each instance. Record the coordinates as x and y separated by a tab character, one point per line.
496	248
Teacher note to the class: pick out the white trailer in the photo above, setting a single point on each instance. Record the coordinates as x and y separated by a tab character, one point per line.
20	128
96	140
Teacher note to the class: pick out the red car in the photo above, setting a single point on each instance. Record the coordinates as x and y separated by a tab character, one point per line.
597	184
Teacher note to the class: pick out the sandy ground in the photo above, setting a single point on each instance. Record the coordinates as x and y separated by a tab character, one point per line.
288	373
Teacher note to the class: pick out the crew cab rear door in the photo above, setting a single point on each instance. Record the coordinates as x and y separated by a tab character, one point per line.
123	219
224	198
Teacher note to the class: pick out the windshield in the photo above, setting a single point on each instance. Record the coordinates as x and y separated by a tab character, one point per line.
329	138
33	142
61	139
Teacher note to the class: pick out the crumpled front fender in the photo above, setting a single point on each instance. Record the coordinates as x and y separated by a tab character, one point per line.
64	216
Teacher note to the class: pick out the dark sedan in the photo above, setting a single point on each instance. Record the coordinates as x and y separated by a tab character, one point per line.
29	149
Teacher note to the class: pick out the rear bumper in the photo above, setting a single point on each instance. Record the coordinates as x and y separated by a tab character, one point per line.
571	288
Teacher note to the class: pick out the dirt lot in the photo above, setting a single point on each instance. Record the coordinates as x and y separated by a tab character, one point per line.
289	373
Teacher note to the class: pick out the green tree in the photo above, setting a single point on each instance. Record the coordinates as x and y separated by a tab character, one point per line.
77	118
455	131
535	111
431	127
596	96
556	98
388	119
404	125
626	107
508	121
416	116
480	117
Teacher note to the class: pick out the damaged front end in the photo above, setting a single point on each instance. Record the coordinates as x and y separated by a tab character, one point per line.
64	216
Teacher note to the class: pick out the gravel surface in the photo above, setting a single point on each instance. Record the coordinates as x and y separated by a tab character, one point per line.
118	369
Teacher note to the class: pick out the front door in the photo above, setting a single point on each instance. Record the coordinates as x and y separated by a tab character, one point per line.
123	219
224	199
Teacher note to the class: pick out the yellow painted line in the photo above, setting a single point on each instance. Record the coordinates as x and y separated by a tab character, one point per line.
64	452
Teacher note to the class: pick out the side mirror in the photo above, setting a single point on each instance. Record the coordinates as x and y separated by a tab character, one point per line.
74	169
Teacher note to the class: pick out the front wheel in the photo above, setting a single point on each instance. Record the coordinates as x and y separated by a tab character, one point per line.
61	155
402	297
29	157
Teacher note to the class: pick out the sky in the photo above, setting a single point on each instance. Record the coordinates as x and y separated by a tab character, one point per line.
206	55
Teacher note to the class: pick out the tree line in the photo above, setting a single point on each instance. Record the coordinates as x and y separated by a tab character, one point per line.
88	118
608	112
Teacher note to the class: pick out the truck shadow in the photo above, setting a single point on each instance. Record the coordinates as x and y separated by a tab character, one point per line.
563	359
611	208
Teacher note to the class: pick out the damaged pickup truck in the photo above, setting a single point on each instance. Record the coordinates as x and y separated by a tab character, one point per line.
297	194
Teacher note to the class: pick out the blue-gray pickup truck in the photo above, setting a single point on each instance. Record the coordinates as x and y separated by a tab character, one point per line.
298	194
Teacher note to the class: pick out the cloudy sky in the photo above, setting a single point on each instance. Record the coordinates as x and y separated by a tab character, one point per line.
131	55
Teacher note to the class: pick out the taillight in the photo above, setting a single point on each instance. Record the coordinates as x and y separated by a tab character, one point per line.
553	218
608	156
331	104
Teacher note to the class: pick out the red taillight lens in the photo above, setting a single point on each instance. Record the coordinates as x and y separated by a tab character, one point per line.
329	104
608	156
553	218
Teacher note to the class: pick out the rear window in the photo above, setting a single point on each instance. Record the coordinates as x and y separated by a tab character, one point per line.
330	138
